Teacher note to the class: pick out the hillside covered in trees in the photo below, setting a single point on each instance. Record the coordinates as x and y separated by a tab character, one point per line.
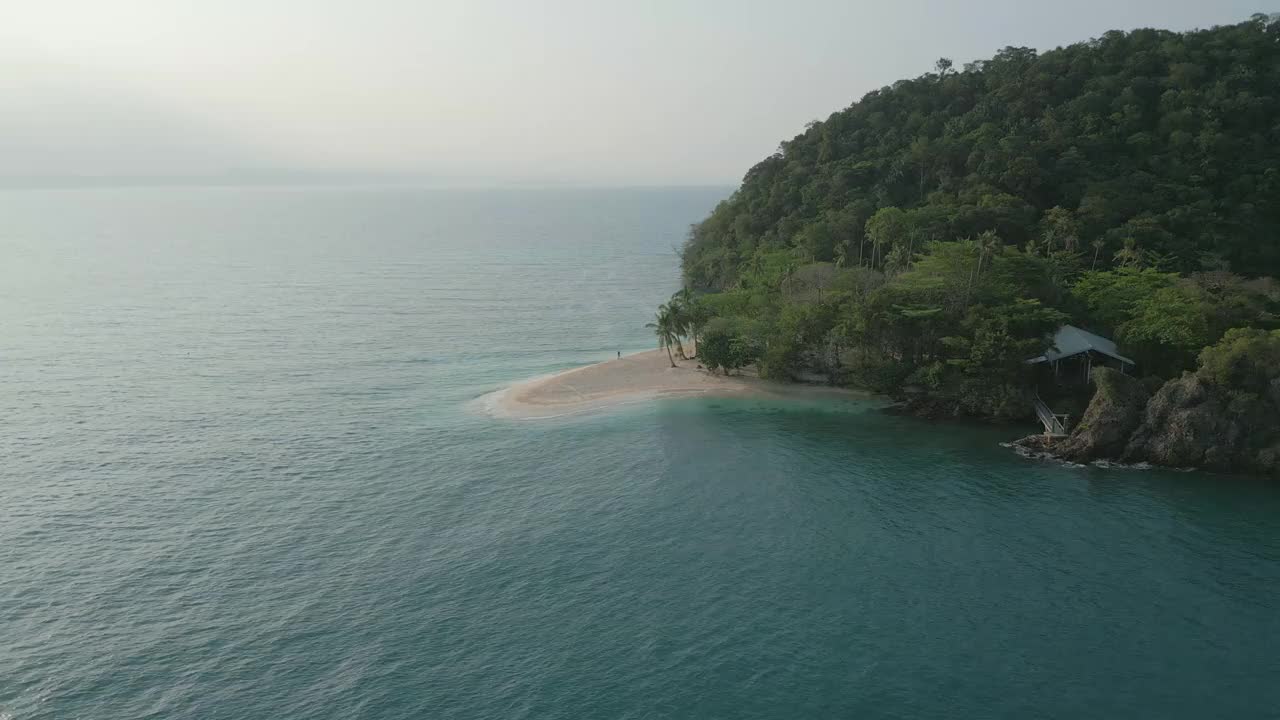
1164	143
934	234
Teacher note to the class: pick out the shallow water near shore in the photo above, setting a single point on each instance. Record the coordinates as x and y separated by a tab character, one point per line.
243	478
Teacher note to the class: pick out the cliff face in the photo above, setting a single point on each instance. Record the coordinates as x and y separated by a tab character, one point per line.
1189	422
1113	415
1192	423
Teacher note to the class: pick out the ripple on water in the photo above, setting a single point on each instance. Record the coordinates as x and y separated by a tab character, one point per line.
245	477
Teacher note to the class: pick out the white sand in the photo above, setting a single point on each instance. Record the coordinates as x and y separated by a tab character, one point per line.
632	378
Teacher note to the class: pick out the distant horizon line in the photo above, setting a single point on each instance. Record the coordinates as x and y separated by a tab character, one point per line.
311	178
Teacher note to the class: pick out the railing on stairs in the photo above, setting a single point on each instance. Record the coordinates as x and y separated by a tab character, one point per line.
1053	424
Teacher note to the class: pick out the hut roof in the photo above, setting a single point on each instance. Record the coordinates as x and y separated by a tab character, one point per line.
1071	340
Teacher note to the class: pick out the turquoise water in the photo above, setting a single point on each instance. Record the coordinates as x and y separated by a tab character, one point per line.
244	476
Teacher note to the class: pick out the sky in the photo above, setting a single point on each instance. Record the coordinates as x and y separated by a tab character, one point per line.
585	92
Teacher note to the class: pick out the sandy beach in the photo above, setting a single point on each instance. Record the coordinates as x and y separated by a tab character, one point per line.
634	378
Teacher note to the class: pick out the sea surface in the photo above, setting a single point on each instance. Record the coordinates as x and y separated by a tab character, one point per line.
244	474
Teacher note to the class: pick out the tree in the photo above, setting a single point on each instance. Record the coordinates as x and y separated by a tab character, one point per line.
988	244
682	311
1112	297
1059	230
809	282
1245	359
885	229
898	261
1169	328
842	255
694	313
663	326
1097	245
725	347
1130	255
716	351
816	242
989	356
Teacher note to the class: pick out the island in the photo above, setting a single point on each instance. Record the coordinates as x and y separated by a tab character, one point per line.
934	240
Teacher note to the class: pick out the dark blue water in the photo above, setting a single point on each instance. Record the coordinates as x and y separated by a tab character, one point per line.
243	475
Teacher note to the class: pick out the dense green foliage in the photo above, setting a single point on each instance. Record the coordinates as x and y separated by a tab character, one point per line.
933	235
1165	320
1246	360
1168	140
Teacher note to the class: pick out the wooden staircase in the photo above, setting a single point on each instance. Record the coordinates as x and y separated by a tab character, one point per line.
1055	425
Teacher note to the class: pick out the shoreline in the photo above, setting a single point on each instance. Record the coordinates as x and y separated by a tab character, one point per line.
638	377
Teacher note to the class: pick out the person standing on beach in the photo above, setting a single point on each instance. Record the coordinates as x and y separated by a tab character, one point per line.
619	354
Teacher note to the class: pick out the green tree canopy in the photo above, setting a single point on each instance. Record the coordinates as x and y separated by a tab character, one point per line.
1162	142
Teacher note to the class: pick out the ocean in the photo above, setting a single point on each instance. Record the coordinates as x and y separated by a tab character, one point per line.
246	472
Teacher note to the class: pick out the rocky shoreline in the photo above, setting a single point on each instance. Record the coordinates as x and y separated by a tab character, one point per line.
1188	422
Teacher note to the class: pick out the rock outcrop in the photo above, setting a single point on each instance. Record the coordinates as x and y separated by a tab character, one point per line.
1193	423
1189	422
1115	412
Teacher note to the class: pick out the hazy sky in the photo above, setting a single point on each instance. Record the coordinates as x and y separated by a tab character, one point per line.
577	91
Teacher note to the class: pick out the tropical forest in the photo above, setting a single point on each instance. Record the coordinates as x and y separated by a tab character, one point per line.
928	240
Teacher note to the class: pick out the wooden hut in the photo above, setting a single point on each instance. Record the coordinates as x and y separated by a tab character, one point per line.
1076	352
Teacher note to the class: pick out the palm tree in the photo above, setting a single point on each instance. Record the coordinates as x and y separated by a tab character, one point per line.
1069	242
877	241
663	327
1050	240
1097	248
692	316
675	307
684	319
897	261
1130	255
915	235
988	246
